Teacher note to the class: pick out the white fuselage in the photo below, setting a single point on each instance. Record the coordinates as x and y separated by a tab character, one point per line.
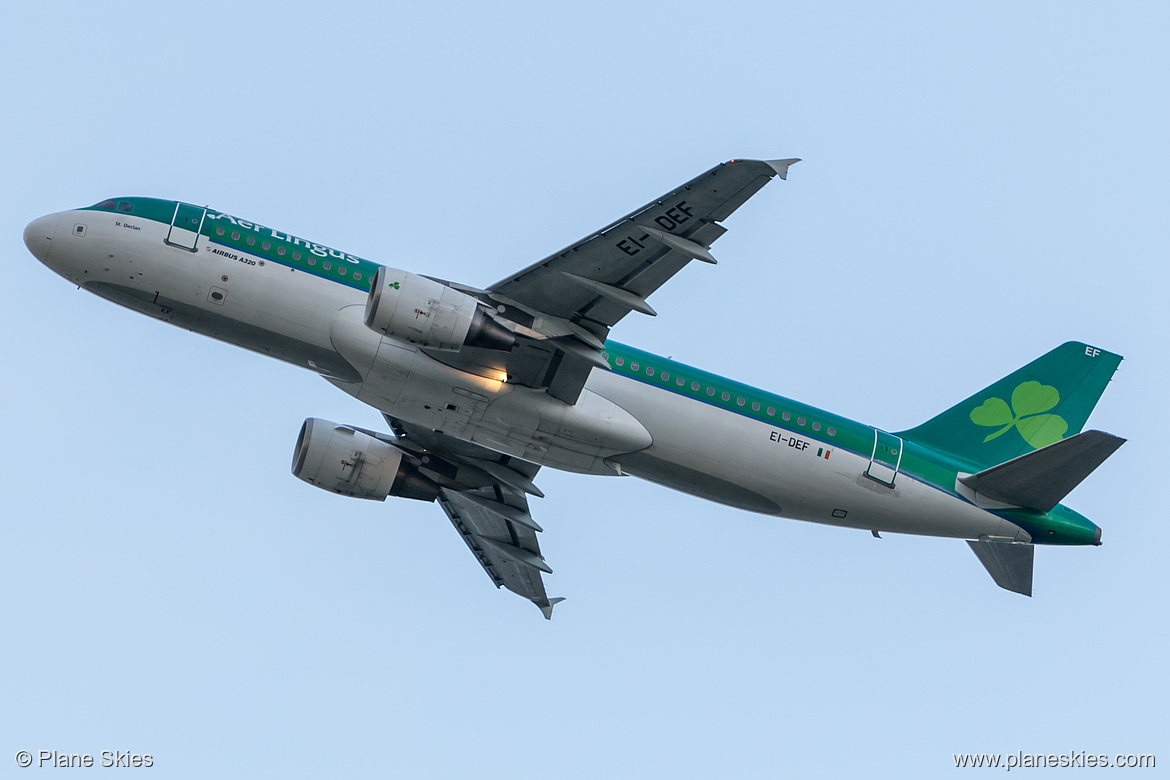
618	426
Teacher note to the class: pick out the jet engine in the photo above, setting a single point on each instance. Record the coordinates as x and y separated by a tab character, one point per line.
346	461
431	314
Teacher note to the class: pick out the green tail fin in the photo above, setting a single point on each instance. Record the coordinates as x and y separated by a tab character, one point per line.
1045	401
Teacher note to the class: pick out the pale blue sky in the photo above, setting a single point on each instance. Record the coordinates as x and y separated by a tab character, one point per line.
981	182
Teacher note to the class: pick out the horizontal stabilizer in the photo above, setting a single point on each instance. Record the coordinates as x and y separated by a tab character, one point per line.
1041	478
1010	565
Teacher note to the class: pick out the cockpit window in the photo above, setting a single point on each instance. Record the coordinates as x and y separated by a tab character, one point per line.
125	206
106	204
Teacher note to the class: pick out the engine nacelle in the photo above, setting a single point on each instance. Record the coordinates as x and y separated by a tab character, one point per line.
431	314
339	459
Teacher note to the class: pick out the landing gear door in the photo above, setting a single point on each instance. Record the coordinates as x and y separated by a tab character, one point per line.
185	226
886	458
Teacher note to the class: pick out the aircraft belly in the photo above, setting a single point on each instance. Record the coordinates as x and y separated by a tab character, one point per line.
404	382
742	462
573	438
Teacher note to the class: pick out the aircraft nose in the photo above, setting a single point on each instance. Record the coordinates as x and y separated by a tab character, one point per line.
38	236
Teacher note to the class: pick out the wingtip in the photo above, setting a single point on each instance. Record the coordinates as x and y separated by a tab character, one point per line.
547	609
781	166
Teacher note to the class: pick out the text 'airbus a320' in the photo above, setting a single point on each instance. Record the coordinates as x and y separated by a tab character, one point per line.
483	387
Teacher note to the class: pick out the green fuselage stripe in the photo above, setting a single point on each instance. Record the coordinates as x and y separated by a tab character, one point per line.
241	235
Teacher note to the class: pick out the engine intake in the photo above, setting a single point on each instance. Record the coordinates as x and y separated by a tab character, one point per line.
343	460
431	314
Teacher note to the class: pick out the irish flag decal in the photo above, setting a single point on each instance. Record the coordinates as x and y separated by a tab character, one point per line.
824	452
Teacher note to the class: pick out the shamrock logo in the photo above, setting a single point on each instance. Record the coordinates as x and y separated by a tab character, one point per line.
1025	414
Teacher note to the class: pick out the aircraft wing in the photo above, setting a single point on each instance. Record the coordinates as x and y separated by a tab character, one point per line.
506	549
606	275
566	304
484	494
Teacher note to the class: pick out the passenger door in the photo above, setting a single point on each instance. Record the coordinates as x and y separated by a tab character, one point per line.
185	226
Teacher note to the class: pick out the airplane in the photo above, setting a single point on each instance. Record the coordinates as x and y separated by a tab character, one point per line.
482	387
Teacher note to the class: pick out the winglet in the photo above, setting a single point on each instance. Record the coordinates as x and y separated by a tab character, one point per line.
546	609
781	166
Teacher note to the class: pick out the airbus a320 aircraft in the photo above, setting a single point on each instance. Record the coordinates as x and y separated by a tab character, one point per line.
483	387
